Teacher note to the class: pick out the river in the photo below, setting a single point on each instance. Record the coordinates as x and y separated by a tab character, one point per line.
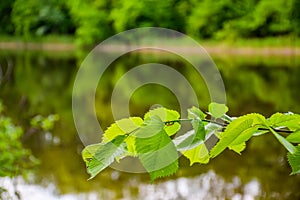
41	82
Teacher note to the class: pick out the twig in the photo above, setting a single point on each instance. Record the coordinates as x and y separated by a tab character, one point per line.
169	123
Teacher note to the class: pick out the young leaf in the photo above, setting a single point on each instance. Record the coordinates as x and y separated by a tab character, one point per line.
99	156
122	127
156	151
294	137
217	110
198	154
166	115
237	132
294	161
194	113
197	115
291	121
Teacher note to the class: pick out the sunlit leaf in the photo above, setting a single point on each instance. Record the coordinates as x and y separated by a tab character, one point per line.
237	132
294	137
217	110
99	156
122	127
155	149
289	120
238	148
294	161
198	154
166	115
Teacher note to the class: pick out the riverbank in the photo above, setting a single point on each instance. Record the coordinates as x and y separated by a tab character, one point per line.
257	46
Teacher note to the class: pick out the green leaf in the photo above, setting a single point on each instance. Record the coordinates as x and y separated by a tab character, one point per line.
166	115
294	161
123	127
291	121
198	154
156	150
291	148
217	110
294	137
185	141
237	132
99	156
238	148
197	115
194	113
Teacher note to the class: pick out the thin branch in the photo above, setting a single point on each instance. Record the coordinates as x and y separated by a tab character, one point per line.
169	123
277	130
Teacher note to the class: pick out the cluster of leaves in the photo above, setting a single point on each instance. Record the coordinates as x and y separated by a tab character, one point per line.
14	158
150	139
44	123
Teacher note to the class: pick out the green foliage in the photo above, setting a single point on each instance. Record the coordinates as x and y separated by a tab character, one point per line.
91	21
40	18
94	21
150	139
14	158
45	123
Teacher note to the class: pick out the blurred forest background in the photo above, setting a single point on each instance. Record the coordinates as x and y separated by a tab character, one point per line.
91	21
36	120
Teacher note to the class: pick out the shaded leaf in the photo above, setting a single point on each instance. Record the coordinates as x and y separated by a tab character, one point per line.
156	150
197	115
99	156
185	141
294	161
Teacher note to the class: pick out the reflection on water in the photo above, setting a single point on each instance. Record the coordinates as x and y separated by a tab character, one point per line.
205	186
41	83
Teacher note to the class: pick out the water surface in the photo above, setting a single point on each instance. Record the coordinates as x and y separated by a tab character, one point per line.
41	83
